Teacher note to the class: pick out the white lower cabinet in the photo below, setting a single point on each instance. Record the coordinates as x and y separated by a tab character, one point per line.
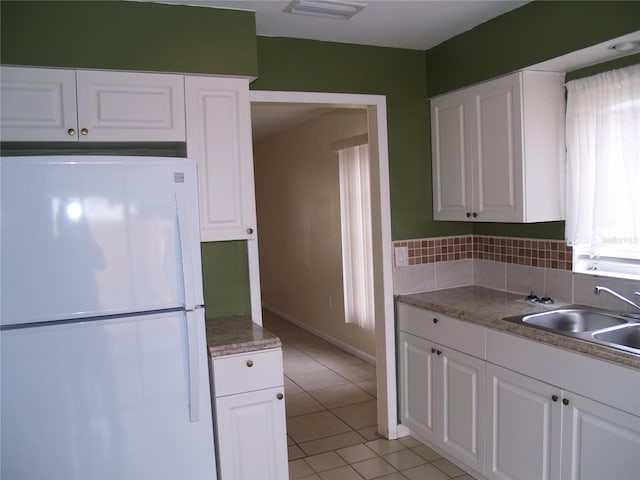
524	427
516	409
599	441
540	431
442	398
250	419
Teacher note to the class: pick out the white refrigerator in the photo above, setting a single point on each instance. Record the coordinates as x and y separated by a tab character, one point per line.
103	359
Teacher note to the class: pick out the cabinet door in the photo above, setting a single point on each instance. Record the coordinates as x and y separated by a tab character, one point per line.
37	104
463	407
251	435
219	137
598	441
524	427
125	106
417	394
497	150
451	143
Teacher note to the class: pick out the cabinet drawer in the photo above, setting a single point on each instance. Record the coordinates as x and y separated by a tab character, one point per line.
247	372
458	334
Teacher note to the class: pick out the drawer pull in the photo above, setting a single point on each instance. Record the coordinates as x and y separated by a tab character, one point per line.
249	363
280	396
554	398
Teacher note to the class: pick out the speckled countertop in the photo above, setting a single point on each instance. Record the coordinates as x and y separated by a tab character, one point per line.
488	307
237	334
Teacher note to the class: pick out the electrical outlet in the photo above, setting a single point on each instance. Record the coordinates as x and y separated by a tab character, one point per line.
402	256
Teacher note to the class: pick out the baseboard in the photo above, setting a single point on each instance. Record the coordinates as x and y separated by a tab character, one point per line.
371	360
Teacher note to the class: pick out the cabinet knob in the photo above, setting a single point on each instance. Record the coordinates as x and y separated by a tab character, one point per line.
71	132
438	352
84	131
435	320
554	398
433	350
280	396
474	215
250	231
565	401
249	363
468	214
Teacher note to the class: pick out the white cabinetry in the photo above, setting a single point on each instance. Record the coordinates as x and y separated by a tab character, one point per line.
219	137
524	427
498	150
249	408
546	427
43	104
508	407
442	391
38	104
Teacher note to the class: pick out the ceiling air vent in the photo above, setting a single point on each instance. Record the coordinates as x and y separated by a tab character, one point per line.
325	8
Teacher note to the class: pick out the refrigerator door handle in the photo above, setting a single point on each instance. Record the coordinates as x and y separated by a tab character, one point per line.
193	343
184	228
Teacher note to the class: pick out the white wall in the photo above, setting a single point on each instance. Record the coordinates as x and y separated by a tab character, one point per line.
298	207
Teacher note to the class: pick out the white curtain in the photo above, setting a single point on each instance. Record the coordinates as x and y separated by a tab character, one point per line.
603	161
357	257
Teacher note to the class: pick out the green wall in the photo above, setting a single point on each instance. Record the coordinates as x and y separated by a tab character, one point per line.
225	272
400	75
128	36
536	32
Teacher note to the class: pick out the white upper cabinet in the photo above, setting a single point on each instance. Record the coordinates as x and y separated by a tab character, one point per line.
219	138
498	150
43	104
127	106
37	104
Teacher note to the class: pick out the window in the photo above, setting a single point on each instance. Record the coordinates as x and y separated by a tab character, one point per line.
603	173
357	256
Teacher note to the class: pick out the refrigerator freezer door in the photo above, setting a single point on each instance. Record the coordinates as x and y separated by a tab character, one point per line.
107	399
92	236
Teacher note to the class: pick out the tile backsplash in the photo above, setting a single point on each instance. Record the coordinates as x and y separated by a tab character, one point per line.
520	265
520	251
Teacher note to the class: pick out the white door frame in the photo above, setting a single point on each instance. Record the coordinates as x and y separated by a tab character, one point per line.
376	106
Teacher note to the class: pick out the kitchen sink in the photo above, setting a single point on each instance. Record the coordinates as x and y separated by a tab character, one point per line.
586	323
573	320
628	336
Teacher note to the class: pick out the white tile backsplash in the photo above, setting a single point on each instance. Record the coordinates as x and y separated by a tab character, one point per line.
490	274
561	285
454	274
415	278
525	280
558	285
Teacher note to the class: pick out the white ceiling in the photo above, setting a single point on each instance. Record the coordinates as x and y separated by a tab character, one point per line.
414	24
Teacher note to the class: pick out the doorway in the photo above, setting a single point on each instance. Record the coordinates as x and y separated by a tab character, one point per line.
375	106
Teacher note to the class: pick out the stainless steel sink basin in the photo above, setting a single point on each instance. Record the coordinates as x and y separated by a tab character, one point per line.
586	323
573	320
627	336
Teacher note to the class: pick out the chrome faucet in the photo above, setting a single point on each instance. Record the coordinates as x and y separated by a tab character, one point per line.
621	297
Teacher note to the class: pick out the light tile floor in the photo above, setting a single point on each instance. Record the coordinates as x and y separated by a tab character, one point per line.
331	417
